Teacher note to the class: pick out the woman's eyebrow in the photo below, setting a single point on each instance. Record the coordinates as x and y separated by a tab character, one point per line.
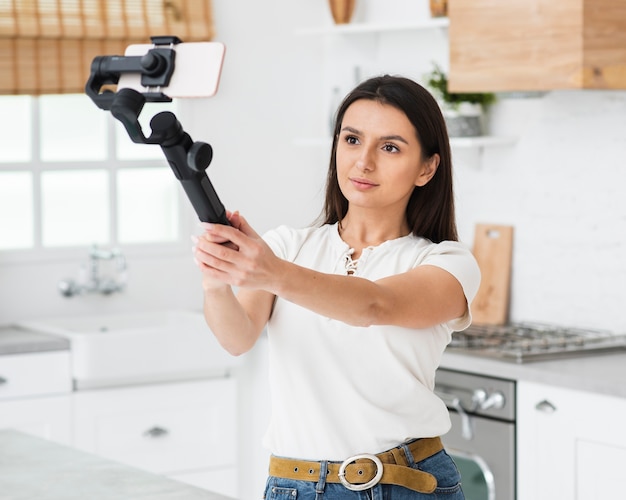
394	138
383	138
351	130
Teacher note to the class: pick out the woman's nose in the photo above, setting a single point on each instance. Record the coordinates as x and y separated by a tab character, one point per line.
365	161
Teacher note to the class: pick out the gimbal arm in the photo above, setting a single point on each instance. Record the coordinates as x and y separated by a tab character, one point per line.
187	159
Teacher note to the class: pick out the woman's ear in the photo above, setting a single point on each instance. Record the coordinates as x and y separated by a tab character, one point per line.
428	170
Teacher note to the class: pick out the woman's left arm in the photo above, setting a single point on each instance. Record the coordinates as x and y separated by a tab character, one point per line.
422	297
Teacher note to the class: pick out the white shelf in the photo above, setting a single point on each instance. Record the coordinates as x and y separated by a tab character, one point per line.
357	28
481	142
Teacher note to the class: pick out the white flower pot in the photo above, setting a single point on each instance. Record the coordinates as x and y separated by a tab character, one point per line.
464	120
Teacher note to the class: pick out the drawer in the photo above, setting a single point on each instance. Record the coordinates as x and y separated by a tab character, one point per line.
164	429
197	438
35	374
46	417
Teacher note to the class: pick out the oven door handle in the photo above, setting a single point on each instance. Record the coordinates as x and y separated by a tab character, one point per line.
454	402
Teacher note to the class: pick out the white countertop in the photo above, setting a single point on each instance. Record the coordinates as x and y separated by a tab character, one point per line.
599	373
33	468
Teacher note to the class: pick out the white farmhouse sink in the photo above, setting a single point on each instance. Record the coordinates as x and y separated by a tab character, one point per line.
121	349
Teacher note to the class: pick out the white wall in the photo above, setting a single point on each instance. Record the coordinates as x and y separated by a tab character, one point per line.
561	187
269	91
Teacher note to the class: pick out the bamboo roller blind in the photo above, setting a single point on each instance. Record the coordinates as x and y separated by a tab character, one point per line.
46	46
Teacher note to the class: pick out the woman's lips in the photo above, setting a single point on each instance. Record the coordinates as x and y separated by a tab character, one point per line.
360	183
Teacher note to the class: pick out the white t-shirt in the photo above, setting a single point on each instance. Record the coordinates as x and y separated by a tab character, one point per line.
339	390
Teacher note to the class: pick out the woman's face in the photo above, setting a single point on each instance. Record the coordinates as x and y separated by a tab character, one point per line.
379	159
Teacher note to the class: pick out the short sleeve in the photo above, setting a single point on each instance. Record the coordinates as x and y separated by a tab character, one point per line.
458	260
286	241
278	240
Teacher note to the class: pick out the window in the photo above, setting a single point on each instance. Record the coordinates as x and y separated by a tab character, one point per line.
70	176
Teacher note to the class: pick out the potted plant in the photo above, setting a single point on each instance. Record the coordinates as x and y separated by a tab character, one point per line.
464	112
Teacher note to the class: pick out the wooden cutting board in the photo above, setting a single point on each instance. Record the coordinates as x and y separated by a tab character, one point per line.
493	250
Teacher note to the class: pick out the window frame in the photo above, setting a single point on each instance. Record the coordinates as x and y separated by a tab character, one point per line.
36	166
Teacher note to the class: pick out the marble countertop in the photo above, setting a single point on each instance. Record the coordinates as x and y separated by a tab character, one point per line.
33	468
599	373
15	340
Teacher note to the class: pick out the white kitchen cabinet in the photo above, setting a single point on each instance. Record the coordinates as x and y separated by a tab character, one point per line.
45	417
186	431
34	374
570	444
35	393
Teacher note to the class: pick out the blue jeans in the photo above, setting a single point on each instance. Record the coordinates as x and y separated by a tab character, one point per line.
439	465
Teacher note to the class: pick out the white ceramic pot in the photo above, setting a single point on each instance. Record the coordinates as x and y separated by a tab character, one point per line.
464	120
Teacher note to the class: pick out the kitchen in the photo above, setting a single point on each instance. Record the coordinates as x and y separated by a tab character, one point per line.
558	184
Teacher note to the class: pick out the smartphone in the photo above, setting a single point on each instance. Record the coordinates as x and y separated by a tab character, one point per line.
198	68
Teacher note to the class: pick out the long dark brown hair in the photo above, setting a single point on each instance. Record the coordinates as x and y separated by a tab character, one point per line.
430	211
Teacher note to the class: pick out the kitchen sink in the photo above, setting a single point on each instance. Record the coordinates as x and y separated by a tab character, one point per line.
128	348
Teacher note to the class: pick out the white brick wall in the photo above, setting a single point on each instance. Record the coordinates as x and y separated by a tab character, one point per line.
562	188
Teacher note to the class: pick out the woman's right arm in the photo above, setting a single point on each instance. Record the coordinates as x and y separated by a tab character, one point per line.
237	320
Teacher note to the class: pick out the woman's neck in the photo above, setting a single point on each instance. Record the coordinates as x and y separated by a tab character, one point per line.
360	233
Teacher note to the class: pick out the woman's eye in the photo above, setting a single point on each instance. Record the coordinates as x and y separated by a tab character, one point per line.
350	139
391	148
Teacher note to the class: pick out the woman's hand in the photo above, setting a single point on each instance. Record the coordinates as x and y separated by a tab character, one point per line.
208	282
234	255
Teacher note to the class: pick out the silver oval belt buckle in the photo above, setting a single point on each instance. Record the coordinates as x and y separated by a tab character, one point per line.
360	487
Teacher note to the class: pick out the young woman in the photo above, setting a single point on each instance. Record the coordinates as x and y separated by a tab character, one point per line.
358	310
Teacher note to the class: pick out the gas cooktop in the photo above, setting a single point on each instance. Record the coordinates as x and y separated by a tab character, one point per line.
523	342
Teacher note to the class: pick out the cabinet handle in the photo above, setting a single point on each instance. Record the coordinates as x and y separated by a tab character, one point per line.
545	406
3	381
156	432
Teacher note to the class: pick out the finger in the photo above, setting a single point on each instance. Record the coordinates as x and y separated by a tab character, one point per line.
237	236
220	233
235	219
217	255
209	234
246	228
215	268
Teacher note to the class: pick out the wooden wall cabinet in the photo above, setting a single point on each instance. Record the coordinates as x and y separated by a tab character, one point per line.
535	45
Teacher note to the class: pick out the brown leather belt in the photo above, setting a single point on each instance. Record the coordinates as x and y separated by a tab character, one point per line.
365	471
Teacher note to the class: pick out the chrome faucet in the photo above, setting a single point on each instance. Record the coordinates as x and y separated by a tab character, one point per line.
94	281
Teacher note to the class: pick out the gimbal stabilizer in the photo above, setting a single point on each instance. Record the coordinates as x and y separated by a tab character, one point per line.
187	159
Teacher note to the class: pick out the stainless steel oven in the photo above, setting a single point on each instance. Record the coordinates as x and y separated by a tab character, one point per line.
482	438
